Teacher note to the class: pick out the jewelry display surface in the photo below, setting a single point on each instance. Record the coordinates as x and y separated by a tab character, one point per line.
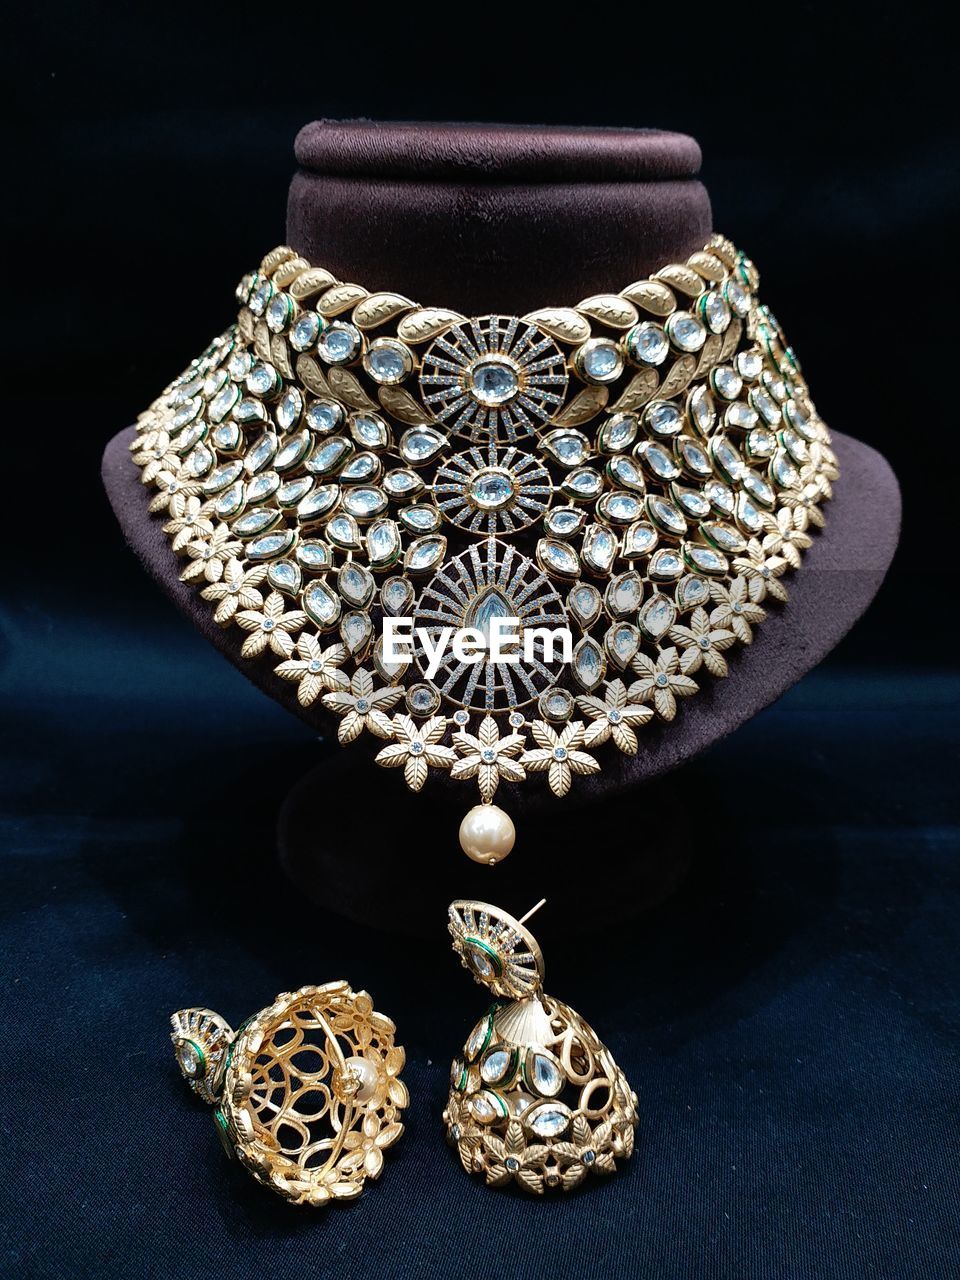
644	468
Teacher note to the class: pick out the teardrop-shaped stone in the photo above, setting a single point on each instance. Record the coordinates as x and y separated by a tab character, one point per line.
322	605
420	444
285	576
622	642
382	542
364	502
396	596
543	1075
665	565
657	616
318	503
314	556
557	558
269	545
329	455
570	448
600	546
424	553
356	631
624	594
704	559
254	522
589	664
355	584
639	539
584	603
496	1066
344	531
692	591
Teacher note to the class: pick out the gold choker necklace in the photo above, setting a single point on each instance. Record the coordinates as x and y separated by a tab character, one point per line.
574	513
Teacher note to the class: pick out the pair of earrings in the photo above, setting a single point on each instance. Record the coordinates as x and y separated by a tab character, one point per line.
308	1095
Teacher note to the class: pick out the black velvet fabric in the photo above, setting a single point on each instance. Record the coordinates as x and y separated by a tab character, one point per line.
789	1017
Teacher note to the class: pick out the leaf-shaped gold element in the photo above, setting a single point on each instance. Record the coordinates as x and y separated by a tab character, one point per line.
415	772
584	406
273	259
652	295
378	308
532	1181
560	322
312	376
706	265
315	280
638	391
679	376
610	309
514	1143
261	339
682	278
709	353
288	271
426	323
340	298
402	405
730	340
280	355
245	325
346	387
559	777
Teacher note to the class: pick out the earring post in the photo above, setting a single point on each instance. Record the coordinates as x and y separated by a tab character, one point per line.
532	912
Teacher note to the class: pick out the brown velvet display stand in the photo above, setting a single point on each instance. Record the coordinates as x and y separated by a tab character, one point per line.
507	219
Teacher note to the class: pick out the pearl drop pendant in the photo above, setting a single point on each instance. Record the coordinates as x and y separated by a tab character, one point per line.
487	834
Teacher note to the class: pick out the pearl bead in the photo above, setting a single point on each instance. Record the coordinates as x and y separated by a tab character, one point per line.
487	834
367	1073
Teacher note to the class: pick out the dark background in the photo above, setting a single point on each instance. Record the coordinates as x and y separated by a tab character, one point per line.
789	1017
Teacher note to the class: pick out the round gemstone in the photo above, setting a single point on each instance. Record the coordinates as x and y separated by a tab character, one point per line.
494	381
647	344
488	755
663	418
387	361
599	360
491	489
339	344
685	331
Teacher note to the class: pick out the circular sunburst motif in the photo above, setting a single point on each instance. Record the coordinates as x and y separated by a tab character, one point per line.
499	952
491	581
493	378
490	490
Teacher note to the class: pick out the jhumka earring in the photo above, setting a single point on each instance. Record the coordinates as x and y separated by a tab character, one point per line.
536	1097
307	1092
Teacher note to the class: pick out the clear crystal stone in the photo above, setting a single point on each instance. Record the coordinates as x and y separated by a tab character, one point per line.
663	418
547	1121
657	616
685	331
493	381
324	416
557	557
647	344
339	343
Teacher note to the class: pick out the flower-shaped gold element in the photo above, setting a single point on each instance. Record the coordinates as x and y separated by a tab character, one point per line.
806	499
270	627
508	1158
661	682
366	1145
190	520
363	706
613	717
172	485
762	572
702	644
558	755
591	1150
812	476
735	611
209	556
236	589
488	757
153	454
316	668
786	535
416	749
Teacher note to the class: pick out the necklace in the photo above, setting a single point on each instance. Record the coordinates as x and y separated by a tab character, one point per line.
500	544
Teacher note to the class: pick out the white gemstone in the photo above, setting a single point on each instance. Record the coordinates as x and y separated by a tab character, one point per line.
663	418
305	332
495	1065
491	489
324	416
386	363
545	1076
339	343
685	331
600	360
547	1121
557	557
321	604
383	542
657	616
419	444
647	343
493	381
589	666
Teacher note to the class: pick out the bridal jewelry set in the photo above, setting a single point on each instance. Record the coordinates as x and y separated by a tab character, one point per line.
638	472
